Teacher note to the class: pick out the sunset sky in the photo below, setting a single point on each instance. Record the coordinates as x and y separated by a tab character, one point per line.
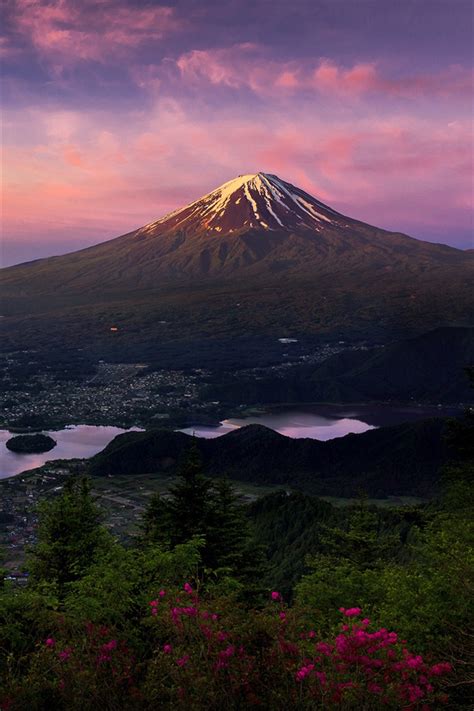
117	112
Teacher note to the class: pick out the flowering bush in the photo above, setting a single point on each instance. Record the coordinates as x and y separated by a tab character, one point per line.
213	654
265	658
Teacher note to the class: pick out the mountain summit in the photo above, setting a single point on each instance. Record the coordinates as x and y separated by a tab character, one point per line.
259	200
255	226
257	255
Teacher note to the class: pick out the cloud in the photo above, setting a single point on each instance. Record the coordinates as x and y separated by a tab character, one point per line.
65	32
248	66
74	177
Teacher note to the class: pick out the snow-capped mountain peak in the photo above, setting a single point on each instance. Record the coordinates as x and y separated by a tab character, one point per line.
252	201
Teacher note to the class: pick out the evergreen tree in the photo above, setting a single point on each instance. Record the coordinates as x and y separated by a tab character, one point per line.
69	535
201	507
361	542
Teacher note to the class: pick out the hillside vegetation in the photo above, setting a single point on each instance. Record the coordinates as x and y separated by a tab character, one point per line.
399	460
288	603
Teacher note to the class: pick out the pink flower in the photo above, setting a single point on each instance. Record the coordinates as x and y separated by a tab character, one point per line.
415	662
50	642
414	693
374	688
162	593
282	616
440	669
167	648
304	671
110	646
182	661
65	654
276	596
187	588
351	611
324	648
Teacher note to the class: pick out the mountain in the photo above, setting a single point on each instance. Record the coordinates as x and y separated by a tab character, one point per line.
255	256
429	368
399	460
251	225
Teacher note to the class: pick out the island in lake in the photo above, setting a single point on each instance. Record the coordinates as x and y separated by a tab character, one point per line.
31	444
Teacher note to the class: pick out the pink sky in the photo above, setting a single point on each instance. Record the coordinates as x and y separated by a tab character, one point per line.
118	112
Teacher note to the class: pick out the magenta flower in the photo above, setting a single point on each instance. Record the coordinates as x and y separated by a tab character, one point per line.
440	669
183	661
167	648
188	588
50	642
351	611
276	596
65	654
162	593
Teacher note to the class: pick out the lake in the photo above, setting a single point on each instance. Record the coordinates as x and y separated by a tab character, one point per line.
321	422
75	442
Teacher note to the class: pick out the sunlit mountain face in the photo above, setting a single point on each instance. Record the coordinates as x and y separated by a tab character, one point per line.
250	201
255	257
255	225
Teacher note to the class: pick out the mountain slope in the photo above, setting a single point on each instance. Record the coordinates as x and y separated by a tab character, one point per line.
428	368
256	255
400	460
254	225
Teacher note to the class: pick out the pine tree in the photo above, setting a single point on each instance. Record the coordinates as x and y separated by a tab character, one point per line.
361	542
69	535
199	506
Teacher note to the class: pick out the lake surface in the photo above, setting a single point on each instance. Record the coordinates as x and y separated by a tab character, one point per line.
75	442
321	422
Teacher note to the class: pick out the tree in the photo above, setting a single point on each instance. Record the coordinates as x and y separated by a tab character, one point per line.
201	507
70	533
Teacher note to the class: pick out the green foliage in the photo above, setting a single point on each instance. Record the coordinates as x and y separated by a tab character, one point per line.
97	602
198	506
119	583
70	534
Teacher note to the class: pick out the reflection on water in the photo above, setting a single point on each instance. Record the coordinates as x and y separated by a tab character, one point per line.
78	441
292	424
321	422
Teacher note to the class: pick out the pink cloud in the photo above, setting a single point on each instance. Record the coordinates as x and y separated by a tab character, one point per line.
64	32
247	66
85	176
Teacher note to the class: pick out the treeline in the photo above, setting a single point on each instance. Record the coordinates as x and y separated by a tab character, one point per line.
286	603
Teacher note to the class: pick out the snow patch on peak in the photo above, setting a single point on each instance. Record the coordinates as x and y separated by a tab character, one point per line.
250	199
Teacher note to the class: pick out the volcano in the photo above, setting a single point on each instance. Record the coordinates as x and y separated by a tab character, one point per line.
292	263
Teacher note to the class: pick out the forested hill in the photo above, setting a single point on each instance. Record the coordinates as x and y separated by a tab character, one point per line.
399	460
428	368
